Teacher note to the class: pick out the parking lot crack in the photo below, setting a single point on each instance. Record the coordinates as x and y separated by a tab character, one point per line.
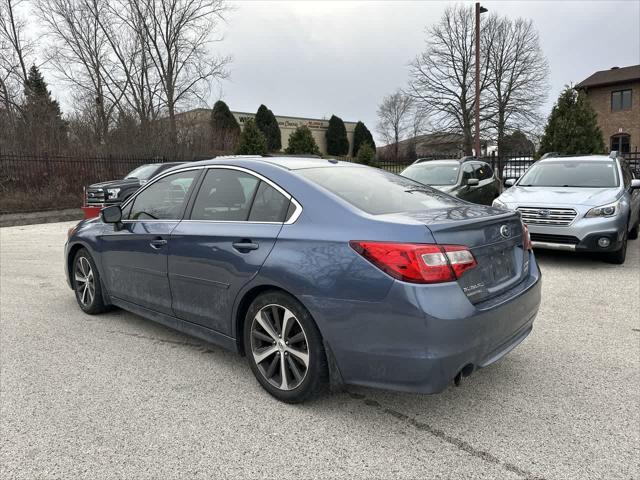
445	437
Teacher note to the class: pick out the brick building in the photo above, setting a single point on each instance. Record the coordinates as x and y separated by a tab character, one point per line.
615	96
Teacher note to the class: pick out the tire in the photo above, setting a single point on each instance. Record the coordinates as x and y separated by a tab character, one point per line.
633	234
619	256
267	349
85	279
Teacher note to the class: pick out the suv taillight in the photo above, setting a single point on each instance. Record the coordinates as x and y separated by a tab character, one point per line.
526	238
417	262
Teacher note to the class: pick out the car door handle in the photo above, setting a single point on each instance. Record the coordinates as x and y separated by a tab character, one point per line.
245	246
157	243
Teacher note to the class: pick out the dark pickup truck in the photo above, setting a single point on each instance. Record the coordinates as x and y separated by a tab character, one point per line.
117	191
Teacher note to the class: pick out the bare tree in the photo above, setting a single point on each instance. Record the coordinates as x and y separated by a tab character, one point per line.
517	86
418	126
394	118
80	53
442	77
16	51
178	34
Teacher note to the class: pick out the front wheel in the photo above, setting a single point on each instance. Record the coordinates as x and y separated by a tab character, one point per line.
284	348
86	283
619	256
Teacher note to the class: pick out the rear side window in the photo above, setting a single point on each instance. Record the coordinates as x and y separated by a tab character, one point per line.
269	205
163	200
377	192
225	195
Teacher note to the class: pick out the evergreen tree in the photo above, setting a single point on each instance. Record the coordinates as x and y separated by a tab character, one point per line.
301	142
224	128
268	125
367	155
516	143
337	141
362	135
572	126
252	141
41	127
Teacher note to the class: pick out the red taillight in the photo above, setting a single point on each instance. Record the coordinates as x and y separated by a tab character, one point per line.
526	238
417	262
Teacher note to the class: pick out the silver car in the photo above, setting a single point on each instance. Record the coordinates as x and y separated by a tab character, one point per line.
582	203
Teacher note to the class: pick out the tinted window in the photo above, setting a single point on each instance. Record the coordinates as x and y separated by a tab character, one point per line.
163	200
482	171
225	195
621	100
571	174
433	174
269	205
377	192
467	173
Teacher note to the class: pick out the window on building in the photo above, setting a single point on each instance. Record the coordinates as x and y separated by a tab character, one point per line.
621	143
621	100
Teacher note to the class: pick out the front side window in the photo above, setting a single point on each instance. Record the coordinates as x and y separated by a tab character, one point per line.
621	143
164	199
575	173
467	173
483	171
621	100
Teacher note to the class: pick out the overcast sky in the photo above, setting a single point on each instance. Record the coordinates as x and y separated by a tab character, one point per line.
317	58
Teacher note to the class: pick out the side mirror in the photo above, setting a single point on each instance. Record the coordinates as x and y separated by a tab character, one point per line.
635	183
509	182
472	182
111	214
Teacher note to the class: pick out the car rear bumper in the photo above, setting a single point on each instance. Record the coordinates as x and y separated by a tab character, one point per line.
421	337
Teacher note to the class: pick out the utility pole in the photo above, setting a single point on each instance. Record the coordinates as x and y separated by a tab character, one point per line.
479	10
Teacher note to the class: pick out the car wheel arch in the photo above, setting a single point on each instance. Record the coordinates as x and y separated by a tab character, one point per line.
245	301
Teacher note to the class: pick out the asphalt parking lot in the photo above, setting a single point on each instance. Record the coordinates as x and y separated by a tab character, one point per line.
117	396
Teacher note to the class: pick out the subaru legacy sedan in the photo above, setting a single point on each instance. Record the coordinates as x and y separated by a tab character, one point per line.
582	203
320	272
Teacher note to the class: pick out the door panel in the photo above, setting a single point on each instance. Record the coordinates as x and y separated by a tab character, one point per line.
134	253
206	270
134	268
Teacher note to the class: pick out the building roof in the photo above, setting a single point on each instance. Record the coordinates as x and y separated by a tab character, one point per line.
611	77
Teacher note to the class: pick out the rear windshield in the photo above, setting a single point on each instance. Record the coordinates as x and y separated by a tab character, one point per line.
441	174
571	174
378	192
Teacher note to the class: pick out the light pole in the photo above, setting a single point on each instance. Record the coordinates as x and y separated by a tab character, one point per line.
479	10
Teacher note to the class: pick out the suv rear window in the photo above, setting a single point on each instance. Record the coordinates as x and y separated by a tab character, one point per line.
378	192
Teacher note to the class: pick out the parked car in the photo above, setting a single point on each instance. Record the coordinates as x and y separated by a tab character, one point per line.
468	178
318	270
115	192
585	203
516	167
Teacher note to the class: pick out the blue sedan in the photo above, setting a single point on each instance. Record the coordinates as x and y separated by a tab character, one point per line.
320	272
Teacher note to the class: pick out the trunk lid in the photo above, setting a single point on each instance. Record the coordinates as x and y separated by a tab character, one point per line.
493	236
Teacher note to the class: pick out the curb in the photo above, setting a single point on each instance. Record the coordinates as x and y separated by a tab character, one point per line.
31	218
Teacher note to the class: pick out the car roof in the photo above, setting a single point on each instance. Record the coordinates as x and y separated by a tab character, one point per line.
285	162
577	158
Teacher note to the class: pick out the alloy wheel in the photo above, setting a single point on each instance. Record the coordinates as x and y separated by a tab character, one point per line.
279	347
85	281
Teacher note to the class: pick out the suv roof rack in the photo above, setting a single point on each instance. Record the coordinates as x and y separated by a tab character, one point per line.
614	154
